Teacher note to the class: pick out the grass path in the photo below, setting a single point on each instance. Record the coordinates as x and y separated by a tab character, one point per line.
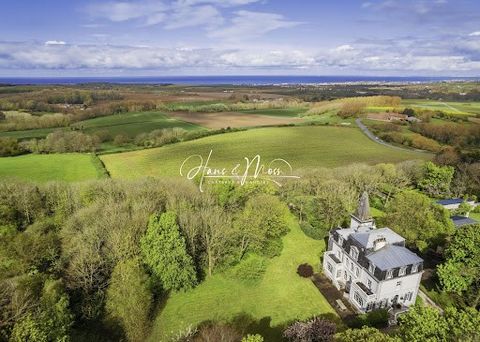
280	297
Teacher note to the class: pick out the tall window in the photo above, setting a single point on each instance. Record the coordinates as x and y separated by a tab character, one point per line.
389	274
369	284
340	240
329	267
354	252
371	268
409	296
414	268
402	271
357	272
358	298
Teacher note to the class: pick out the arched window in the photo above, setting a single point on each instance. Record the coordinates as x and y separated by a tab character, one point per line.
354	252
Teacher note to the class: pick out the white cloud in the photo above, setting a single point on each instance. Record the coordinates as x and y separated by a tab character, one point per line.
222	3
185	16
248	24
120	11
177	14
55	42
343	48
475	34
362	58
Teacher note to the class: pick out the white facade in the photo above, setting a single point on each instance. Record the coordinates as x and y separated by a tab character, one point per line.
372	266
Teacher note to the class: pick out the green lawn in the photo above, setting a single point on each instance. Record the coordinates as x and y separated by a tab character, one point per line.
475	216
280	297
302	147
376	212
133	124
49	167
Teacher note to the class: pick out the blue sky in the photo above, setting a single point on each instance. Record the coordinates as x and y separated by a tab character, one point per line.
215	37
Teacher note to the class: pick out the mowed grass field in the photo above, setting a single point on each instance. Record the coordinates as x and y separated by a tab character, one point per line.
280	297
132	124
49	167
302	147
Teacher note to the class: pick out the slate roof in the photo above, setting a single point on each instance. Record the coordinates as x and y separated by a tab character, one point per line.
392	256
366	239
450	201
459	221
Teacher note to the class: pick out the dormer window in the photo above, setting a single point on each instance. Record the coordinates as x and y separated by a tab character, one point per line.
389	274
414	268
371	268
402	271
340	240
354	253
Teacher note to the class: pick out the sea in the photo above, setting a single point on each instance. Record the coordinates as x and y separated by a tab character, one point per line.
229	80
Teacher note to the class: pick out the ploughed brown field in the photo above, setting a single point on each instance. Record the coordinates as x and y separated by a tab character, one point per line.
232	119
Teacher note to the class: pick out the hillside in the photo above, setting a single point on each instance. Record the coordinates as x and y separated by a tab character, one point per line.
302	147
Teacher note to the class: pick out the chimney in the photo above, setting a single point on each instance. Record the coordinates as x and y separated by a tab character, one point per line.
379	243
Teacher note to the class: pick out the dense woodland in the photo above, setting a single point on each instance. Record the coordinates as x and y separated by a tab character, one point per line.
95	260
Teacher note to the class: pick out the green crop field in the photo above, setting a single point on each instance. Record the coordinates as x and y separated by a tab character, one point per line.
132	124
280	297
302	147
29	133
276	112
459	108
49	167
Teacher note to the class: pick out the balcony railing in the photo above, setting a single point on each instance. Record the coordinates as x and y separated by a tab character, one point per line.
334	258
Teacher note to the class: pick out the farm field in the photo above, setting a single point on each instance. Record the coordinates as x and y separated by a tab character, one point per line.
132	124
289	112
49	167
232	119
302	147
460	108
280	296
29	133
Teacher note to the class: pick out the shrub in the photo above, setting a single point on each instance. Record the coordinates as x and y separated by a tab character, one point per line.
314	330
253	338
103	135
273	248
9	147
61	142
251	269
121	139
376	319
305	270
312	232
217	332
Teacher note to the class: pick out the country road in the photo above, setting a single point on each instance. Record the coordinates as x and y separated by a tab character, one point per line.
373	137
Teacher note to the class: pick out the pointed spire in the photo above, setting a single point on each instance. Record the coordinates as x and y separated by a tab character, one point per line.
363	211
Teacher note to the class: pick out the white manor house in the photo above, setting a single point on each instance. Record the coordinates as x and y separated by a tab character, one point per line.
372	265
